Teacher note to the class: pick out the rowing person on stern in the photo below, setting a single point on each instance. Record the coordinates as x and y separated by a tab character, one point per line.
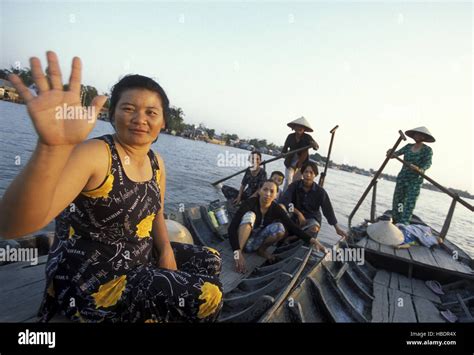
259	223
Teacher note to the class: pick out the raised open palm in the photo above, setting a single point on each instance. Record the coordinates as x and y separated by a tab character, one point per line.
57	115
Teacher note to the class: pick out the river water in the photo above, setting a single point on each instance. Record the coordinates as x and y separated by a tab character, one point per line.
193	165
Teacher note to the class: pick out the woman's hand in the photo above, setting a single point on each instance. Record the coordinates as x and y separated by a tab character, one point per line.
167	260
340	232
239	262
57	115
390	154
415	168
317	245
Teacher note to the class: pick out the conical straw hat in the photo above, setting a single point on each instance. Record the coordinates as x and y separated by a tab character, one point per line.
385	232
301	122
423	130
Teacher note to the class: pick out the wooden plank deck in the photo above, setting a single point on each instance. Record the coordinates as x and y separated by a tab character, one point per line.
22	290
401	307
400	299
380	305
426	311
437	257
385	249
373	245
229	277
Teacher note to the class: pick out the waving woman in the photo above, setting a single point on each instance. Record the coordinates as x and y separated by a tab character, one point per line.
107	195
408	186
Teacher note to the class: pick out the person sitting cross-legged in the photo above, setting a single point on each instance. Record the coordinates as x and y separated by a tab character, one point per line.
304	198
259	223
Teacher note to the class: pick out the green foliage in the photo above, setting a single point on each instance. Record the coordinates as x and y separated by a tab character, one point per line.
211	133
176	120
23	73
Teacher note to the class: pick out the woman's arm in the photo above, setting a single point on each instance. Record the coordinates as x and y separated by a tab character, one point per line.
234	225
401	151
301	158
58	169
427	159
160	232
239	196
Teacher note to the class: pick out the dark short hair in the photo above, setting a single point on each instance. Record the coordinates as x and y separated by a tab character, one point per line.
271	181
135	81
312	165
277	172
256	152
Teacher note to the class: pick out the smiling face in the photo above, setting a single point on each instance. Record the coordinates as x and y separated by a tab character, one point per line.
255	161
139	117
267	193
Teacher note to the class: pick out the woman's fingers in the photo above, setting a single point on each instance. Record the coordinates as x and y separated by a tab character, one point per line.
20	87
75	78
38	75
54	72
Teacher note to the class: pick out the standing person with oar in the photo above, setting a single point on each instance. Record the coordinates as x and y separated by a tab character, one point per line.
419	155
296	140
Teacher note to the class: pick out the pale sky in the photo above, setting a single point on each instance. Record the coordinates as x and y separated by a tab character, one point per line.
250	67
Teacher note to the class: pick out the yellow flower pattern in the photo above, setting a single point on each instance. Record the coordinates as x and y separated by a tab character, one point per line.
158	176
110	292
151	321
145	226
71	231
212	296
213	251
103	190
50	289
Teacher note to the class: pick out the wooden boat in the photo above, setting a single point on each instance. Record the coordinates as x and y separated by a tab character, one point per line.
323	290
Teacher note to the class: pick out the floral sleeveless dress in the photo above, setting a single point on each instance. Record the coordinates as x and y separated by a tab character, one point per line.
101	266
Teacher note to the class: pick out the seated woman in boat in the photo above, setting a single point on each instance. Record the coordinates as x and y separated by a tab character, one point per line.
304	199
259	223
253	178
298	139
408	186
108	196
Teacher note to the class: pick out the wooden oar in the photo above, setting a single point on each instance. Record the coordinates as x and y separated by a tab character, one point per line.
323	174
262	163
376	176
439	186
